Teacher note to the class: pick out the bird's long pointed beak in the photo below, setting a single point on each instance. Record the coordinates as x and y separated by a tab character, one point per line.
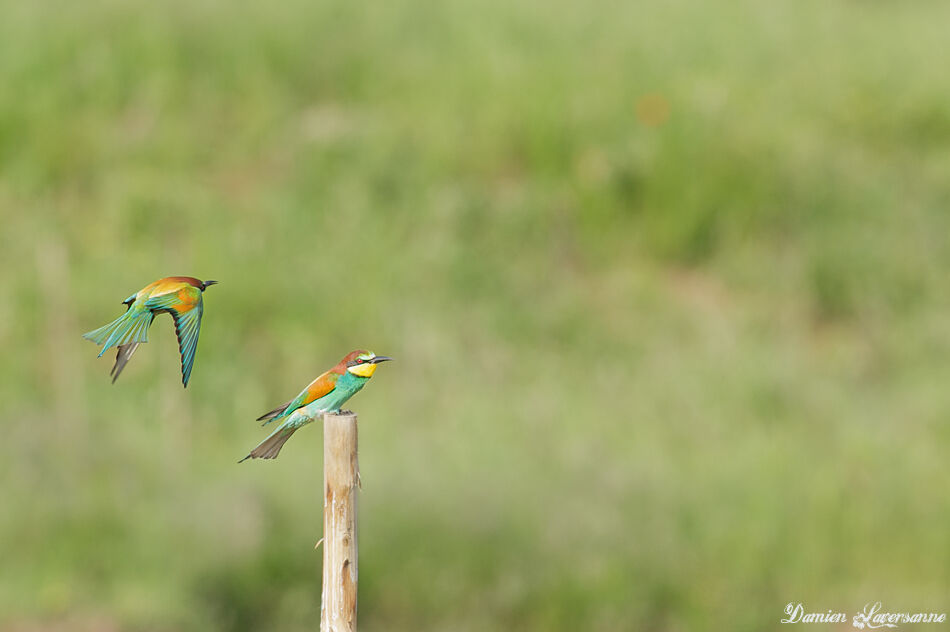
379	359
207	283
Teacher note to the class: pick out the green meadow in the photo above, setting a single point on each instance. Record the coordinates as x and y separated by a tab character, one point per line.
665	283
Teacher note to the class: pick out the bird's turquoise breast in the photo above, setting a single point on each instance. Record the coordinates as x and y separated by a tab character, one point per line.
347	385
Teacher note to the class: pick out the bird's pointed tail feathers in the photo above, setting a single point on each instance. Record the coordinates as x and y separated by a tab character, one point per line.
270	447
130	327
122	356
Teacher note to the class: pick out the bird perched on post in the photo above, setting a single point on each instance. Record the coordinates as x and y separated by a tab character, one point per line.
180	296
323	395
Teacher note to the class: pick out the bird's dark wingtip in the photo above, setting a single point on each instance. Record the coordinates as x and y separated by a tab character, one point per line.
245	459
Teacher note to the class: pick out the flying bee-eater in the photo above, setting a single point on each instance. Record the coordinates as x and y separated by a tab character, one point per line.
323	395
180	296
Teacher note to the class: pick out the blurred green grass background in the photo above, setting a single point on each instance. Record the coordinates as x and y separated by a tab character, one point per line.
665	283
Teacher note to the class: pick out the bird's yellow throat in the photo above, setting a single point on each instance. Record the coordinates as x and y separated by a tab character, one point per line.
363	370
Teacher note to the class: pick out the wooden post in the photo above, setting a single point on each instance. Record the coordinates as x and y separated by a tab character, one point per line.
340	480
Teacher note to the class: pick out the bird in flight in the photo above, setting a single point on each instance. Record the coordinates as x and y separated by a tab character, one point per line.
323	395
180	296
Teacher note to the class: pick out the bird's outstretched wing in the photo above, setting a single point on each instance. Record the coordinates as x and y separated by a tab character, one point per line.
187	326
315	390
186	307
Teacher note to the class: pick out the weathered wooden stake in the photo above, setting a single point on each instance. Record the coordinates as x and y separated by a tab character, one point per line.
340	480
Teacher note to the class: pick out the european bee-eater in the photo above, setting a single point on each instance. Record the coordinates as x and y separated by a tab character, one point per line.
180	296
323	395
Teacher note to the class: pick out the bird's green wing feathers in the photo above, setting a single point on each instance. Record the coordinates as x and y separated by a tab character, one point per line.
185	297
187	325
163	303
186	307
315	390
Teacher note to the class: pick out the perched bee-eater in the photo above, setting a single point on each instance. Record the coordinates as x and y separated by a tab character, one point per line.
323	395
180	296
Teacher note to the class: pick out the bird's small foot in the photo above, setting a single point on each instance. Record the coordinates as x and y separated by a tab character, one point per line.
345	412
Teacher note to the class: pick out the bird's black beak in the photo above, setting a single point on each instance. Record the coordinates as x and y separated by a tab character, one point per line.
379	359
205	284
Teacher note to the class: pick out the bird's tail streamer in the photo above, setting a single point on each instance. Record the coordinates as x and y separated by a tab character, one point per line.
270	447
130	327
